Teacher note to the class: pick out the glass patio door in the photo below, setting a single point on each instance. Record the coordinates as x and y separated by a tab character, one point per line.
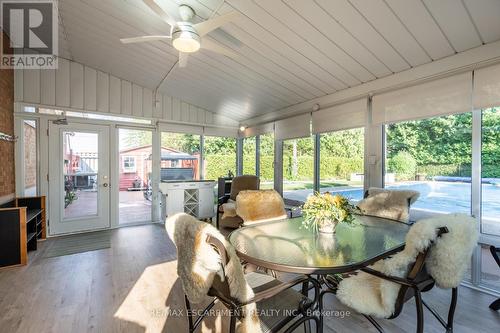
78	178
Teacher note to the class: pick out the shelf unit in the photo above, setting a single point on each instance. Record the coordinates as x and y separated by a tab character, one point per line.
195	198
22	225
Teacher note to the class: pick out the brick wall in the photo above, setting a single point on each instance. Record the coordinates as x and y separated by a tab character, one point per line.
7	170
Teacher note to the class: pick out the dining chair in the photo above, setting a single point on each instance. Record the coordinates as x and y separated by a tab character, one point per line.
388	203
495	252
228	201
437	252
208	266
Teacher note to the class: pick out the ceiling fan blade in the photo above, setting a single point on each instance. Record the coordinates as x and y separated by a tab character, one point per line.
183	59
160	12
214	47
205	27
142	39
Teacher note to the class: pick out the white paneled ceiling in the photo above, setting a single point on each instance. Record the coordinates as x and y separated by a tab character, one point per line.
289	51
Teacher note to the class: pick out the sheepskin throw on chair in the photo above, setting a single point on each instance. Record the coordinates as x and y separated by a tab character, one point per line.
447	263
198	263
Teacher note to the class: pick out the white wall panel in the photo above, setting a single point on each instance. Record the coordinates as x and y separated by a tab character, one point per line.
209	118
176	109
167	108
62	83
76	85
103	92
48	86
126	98
158	106
200	116
90	90
193	114
147	103
136	100
31	85
84	88
184	111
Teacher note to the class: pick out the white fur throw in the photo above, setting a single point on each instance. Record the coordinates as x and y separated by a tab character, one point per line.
256	206
447	262
198	262
390	204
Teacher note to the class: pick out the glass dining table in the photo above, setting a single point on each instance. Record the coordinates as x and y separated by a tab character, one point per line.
286	246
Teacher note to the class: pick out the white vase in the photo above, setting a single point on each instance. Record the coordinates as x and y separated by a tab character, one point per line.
327	227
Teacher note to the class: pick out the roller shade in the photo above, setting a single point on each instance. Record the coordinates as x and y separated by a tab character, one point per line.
487	87
176	128
294	127
221	131
439	97
340	117
258	130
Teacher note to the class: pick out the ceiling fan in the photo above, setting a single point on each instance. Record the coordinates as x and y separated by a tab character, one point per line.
186	36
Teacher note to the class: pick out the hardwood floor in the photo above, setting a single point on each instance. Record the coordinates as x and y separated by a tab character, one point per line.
133	287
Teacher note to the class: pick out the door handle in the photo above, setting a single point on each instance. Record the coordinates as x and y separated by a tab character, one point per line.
105	185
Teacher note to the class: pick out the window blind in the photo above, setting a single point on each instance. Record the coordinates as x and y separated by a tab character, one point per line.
487	87
439	97
340	117
258	130
176	128
293	127
221	131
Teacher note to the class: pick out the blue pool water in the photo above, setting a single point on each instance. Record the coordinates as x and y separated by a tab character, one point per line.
446	197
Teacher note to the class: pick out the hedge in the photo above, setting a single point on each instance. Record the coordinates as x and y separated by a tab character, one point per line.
330	168
218	165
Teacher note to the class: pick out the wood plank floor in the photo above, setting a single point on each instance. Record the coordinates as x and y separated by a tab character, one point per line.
133	287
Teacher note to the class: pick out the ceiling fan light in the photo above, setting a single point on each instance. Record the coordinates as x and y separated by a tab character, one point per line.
185	39
187	45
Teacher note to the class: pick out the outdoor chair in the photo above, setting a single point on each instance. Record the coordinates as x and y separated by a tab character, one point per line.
436	253
495	252
228	201
389	204
208	266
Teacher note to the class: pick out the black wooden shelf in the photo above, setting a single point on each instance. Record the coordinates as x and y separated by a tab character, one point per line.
22	225
30	236
32	213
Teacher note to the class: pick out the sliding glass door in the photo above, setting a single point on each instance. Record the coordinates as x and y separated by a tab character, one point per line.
342	162
266	161
135	171
298	168
490	194
434	157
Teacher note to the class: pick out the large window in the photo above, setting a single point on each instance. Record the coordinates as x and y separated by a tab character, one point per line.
298	168
433	157
219	157
490	171
249	154
341	162
180	156
266	161
135	150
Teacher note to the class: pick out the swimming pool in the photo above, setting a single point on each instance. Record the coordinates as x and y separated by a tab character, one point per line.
443	197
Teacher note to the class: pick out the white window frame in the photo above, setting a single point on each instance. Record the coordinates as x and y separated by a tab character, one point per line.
129	169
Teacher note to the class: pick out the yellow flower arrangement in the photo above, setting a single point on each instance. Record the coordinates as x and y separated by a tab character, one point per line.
325	209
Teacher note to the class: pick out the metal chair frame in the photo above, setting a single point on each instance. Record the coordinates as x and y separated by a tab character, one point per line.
413	285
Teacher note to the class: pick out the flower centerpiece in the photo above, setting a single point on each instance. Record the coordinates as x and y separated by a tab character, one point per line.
322	212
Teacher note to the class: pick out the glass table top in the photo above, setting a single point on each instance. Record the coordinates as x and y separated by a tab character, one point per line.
286	246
